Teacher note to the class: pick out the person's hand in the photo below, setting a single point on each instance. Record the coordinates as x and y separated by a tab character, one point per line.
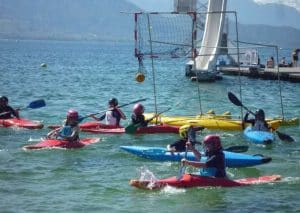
184	161
189	145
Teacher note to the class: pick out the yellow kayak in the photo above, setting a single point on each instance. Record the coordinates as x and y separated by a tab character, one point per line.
208	121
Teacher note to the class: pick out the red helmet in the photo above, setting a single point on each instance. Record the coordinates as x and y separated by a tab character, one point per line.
213	139
138	109
72	114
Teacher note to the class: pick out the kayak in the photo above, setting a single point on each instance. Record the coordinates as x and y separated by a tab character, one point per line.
22	123
259	137
89	125
207	121
232	159
99	128
142	130
191	180
54	143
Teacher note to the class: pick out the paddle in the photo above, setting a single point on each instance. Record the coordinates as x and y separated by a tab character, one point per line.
237	149
32	105
131	128
237	102
182	167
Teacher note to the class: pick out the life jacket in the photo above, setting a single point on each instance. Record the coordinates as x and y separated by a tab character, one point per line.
260	126
66	131
110	119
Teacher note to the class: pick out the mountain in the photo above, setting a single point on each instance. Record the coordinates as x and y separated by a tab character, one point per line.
290	3
250	12
66	19
265	12
265	34
102	20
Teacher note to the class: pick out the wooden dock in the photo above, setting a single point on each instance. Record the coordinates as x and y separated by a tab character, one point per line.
291	74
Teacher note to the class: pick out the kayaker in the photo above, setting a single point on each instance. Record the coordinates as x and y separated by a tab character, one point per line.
113	115
186	133
70	130
137	116
258	123
7	111
215	164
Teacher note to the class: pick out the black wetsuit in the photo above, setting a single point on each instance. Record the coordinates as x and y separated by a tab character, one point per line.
139	119
10	112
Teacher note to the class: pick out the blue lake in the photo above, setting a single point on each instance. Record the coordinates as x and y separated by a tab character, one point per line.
84	76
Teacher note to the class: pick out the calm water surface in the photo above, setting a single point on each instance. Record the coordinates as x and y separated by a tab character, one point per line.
84	75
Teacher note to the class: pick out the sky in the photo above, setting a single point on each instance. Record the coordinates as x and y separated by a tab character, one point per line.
167	5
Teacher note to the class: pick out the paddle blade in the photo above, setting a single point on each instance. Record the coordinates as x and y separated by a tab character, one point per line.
285	137
180	173
37	104
234	99
237	149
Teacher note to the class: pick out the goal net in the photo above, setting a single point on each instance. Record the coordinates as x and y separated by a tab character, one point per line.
165	34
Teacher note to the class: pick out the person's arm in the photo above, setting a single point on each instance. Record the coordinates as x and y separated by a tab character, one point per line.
246	117
98	119
123	116
53	133
196	164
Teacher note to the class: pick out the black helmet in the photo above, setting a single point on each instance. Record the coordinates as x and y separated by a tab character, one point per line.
113	102
260	114
4	98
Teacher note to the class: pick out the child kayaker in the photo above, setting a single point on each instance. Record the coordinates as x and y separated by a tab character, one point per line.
137	116
113	115
258	123
186	133
215	164
7	111
70	130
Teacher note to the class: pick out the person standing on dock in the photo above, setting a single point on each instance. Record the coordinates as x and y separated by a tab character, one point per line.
270	62
295	57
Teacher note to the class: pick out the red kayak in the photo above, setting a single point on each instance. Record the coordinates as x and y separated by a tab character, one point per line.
141	130
22	123
189	180
99	128
89	125
52	143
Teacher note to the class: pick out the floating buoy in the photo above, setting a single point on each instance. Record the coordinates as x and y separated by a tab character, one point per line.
139	77
43	65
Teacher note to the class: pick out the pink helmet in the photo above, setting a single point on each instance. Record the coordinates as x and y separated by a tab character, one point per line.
213	139
72	114
138	109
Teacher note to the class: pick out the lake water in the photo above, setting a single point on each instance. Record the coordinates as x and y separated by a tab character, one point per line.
84	76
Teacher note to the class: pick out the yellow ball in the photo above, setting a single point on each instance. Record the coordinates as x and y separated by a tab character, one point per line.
139	77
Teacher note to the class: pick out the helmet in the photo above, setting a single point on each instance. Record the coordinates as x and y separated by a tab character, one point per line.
72	114
183	131
213	139
4	98
260	114
138	109
113	102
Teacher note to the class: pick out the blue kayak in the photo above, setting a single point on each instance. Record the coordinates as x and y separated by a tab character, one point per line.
259	137
232	159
